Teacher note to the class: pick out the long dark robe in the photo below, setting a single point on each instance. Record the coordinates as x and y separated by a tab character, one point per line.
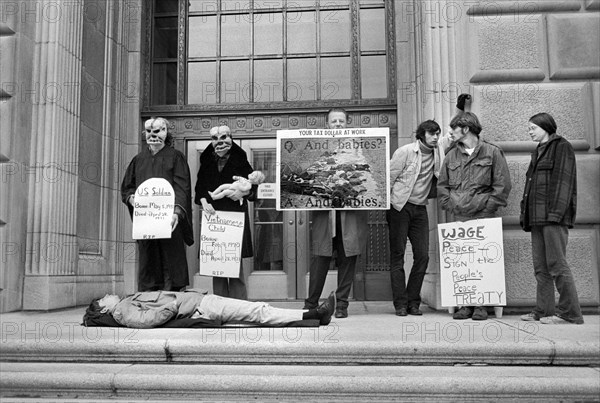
163	264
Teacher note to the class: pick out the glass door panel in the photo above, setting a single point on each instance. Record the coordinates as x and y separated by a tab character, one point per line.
273	267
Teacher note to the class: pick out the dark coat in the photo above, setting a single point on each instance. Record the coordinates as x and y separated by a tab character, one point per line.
550	194
209	178
169	164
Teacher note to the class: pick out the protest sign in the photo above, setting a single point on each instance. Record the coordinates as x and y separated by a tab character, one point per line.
221	238
267	191
472	263
153	207
344	169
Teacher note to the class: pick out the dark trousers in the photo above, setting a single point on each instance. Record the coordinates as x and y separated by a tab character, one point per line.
318	274
231	287
549	249
163	265
410	223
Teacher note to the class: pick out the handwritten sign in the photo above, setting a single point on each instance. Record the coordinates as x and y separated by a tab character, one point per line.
267	191
154	203
344	169
472	263
221	238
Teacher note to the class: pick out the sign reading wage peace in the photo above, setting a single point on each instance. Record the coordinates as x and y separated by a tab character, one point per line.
344	169
221	238
154	203
472	263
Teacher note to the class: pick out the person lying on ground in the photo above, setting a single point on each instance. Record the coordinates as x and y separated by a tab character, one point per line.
145	310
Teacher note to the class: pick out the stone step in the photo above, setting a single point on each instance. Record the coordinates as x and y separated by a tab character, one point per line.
376	339
297	382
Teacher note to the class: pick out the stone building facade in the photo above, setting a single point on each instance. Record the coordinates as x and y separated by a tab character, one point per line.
75	87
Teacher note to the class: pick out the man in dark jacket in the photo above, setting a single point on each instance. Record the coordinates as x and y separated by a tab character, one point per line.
220	162
163	265
548	211
474	182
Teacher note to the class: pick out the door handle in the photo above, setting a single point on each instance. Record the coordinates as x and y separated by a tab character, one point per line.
291	222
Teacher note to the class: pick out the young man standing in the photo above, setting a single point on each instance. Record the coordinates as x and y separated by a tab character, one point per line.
414	170
548	210
474	182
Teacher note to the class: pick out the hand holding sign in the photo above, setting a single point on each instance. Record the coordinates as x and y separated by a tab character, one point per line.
153	207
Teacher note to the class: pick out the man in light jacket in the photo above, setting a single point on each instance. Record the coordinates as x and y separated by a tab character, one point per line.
414	170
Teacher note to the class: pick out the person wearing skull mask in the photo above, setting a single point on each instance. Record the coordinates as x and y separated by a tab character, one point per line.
162	262
220	162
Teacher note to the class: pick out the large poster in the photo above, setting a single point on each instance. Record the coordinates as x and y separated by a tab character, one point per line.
153	206
333	169
221	236
472	263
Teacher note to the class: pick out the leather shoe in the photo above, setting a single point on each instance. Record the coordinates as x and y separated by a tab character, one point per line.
341	313
464	312
401	312
326	309
413	310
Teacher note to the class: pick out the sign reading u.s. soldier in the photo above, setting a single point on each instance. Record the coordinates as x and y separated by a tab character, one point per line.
333	169
153	208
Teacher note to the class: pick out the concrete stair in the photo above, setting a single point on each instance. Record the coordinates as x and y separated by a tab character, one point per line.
372	355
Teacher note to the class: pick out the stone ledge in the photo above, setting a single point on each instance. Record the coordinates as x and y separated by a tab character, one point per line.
379	338
292	383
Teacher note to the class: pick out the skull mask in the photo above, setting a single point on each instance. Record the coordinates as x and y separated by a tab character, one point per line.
156	132
221	139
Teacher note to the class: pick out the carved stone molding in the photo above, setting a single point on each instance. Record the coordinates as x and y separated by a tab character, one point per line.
181	62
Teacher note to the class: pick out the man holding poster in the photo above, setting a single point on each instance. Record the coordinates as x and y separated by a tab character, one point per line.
344	232
474	182
220	163
163	265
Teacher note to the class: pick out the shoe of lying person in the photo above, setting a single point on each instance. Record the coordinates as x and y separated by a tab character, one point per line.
326	310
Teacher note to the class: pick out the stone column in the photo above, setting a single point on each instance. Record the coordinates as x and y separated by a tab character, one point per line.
51	256
437	90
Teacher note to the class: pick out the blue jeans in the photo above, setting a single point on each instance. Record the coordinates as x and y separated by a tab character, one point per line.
548	249
410	223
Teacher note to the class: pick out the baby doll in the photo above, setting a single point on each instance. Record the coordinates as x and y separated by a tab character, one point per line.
240	183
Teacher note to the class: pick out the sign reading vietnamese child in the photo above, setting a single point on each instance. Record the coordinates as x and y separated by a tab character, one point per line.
221	244
333	169
472	263
154	203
